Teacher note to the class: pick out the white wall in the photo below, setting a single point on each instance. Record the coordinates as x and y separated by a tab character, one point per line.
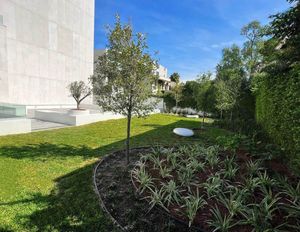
49	43
162	72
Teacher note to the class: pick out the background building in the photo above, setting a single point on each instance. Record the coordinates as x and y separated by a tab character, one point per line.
44	45
163	83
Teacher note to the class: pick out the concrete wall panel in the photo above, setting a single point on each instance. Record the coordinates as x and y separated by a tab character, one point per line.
49	43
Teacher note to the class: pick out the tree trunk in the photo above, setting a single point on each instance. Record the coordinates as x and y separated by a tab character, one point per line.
78	104
128	137
203	117
221	116
231	116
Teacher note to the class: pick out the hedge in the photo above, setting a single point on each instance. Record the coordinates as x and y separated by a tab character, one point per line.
278	109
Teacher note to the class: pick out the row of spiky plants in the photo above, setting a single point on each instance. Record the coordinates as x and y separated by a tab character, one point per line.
195	178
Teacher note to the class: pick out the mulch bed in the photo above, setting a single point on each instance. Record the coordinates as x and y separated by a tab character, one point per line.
118	197
129	211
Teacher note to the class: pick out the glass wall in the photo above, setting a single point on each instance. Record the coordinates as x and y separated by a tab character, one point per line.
12	110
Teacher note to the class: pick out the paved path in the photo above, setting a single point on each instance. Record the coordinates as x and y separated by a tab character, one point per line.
38	125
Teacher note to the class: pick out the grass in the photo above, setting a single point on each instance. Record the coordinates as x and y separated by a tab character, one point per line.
46	177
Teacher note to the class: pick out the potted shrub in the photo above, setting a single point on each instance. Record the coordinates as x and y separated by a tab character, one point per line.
79	91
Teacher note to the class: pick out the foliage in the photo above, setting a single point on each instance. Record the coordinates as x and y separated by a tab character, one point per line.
192	205
79	91
251	51
229	81
124	75
277	86
204	95
169	100
177	92
220	222
236	193
175	77
189	94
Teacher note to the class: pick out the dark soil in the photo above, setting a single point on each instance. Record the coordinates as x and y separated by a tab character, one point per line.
113	180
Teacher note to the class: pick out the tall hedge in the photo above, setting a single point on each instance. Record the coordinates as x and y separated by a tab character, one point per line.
278	109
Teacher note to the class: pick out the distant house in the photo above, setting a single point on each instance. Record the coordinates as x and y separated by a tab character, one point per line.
163	82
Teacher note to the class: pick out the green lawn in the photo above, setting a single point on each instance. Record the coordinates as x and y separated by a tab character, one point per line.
46	177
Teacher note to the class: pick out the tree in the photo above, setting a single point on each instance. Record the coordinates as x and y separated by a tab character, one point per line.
189	92
124	75
230	76
177	92
227	95
205	94
175	77
285	27
79	91
252	57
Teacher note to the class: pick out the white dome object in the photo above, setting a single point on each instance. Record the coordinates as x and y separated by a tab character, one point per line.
183	132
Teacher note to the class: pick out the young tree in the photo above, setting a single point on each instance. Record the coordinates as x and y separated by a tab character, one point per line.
175	77
124	75
230	76
205	95
79	91
177	92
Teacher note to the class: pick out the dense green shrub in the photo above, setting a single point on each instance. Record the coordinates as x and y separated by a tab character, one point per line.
278	108
169	100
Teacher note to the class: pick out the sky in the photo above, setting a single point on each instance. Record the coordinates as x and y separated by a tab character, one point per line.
189	35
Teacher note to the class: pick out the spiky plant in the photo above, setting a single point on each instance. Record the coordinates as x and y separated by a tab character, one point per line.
196	165
143	178
173	158
260	216
229	161
219	221
213	185
184	149
233	202
155	159
265	180
230	171
185	175
171	191
192	205
254	167
165	171
289	189
157	150
156	198
251	183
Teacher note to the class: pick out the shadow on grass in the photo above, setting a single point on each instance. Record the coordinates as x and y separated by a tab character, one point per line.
72	205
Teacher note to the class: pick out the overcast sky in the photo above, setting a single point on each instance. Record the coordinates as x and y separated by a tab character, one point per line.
189	34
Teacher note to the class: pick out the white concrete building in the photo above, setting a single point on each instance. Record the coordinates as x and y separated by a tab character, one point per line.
44	45
163	83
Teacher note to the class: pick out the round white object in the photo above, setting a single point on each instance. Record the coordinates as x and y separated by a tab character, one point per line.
183	132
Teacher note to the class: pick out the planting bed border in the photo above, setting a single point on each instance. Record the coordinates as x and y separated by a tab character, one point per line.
102	159
102	204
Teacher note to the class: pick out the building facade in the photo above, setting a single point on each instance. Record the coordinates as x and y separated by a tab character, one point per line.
163	82
44	46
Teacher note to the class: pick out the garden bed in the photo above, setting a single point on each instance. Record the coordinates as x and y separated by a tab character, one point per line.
118	198
198	188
